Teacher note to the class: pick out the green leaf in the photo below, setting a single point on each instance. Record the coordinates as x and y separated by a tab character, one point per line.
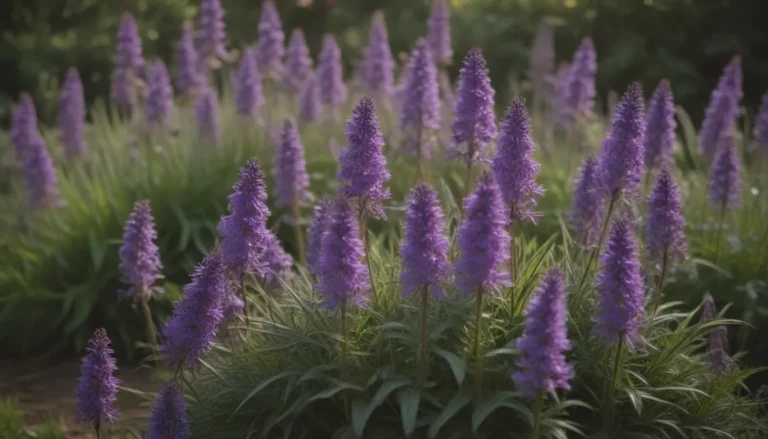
489	405
408	399
457	364
261	386
458	402
331	391
361	412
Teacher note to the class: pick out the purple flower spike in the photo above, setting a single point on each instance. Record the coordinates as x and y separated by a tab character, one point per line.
128	49
321	218
270	49
139	256
665	234
24	126
188	75
363	166
40	181
207	114
724	181
761	127
277	264
97	388
72	114
420	112
542	61
439	32
425	247
483	240
244	232
475	123
717	340
660	127
298	64
250	96
169	415
212	32
622	155
620	313
542	364
290	171
580	95
723	110
159	102
330	73
310	103
588	210
342	272
514	167
191	330
379	65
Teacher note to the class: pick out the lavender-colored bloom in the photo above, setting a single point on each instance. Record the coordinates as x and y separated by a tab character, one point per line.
587	210
321	218
330	73
363	165
622	154
23	126
158	105
542	364
559	100
717	340
212	32
277	264
188	76
40	181
439	32
580	95
310	103
298	64
207	115
665	234
270	49
290	171
660	127
761	127
542	61
139	255
723	109
250	96
724	181
514	167
475	123
169	415
425	248
620	312
379	65
244	232
483	240
191	330
128	49
420	112
72	114
97	387
342	272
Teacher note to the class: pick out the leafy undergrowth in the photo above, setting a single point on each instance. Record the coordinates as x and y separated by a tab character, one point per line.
12	424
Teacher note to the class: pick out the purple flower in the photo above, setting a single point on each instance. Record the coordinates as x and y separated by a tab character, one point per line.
211	33
363	166
249	96
207	115
420	112
660	127
761	126
723	109
621	158
378	63
191	330
330	73
587	210
72	114
475	123
128	49
97	387
40	181
514	168
580	95
665	234
542	61
244	232
425	248
724	181
310	104
159	102
188	76
290	171
270	49
620	312
24	126
277	264
169	415
342	272
321	218
439	32
139	256
298	64
542	364
483	239
717	340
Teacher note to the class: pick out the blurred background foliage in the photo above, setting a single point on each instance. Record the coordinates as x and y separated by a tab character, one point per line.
685	41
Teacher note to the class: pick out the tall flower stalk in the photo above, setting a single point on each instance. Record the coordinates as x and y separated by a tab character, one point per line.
724	186
97	388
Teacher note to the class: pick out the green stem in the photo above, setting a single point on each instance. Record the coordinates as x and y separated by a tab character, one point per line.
423	336
476	342
297	230
344	348
596	250
611	409
660	289
364	234
512	259
151	330
538	404
719	236
98	434
244	297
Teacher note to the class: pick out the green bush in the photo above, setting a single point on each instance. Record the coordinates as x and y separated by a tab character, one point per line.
12	424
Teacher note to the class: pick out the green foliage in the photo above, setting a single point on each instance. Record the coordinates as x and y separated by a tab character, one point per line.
12	424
